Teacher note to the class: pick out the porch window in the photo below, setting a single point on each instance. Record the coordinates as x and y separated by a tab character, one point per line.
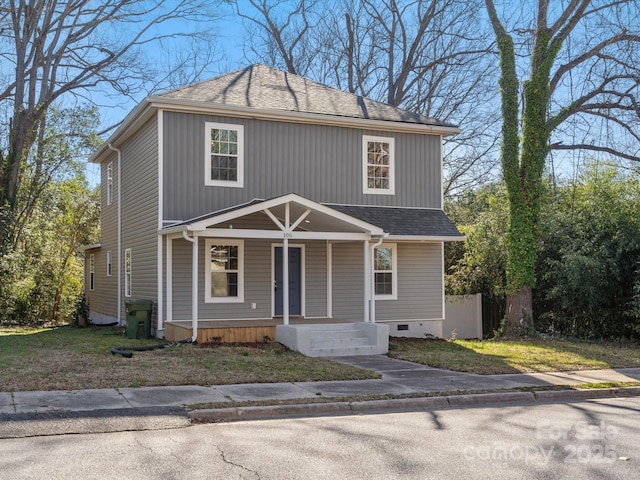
92	271
224	281
127	272
378	165
224	155
385	272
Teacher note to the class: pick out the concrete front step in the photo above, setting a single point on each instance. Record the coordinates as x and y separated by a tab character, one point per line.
354	341
352	332
343	351
330	340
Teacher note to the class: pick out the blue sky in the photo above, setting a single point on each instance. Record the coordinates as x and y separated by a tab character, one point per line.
228	38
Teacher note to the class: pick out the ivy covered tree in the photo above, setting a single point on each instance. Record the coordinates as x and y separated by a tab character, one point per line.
578	91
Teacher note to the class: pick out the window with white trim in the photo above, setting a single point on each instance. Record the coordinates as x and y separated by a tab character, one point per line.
127	272
224	271
92	271
385	272
109	183
224	155
109	263
378	158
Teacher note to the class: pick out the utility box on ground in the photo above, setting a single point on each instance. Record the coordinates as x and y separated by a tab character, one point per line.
138	318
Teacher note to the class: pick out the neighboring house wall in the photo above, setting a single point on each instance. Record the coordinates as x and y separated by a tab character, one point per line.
322	163
140	212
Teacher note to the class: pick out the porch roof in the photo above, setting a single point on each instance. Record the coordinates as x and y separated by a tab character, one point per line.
287	213
309	216
425	223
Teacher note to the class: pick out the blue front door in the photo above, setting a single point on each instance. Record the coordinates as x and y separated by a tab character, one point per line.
295	281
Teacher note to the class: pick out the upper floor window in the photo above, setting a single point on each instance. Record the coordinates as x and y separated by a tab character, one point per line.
385	272
109	183
224	274
224	155
378	165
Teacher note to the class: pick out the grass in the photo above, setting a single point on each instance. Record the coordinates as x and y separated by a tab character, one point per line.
68	358
515	356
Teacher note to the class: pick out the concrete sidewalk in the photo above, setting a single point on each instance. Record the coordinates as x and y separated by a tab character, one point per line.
398	377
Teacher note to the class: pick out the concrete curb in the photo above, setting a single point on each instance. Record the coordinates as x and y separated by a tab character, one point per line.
403	404
268	411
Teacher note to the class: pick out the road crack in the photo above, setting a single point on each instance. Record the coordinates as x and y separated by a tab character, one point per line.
228	462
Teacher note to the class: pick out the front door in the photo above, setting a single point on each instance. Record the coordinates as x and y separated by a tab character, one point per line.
295	281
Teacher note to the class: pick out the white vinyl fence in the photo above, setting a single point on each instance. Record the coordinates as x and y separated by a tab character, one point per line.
463	313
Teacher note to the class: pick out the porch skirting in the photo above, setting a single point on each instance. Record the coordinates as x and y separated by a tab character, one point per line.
235	331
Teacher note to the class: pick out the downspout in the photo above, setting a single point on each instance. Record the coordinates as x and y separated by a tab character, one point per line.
372	308
194	284
117	150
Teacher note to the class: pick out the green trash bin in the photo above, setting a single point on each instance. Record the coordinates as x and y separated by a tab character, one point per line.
138	318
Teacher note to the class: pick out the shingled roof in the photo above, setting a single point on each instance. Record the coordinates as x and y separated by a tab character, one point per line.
398	221
265	88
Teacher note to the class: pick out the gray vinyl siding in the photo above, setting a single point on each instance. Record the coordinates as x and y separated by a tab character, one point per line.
258	281
322	163
104	297
140	212
420	286
348	280
181	279
316	279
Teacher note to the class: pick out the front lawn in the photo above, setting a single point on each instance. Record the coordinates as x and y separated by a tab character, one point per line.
515	356
68	358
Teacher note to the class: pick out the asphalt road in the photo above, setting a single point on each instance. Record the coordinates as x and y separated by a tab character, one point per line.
585	440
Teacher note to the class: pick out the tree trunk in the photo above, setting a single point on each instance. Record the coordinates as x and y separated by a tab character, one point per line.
519	313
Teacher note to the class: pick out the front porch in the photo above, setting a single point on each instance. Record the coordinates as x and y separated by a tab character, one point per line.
273	261
236	331
318	337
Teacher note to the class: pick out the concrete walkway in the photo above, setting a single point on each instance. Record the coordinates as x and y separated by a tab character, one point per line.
398	377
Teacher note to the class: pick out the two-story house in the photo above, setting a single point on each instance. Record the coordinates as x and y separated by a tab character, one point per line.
261	204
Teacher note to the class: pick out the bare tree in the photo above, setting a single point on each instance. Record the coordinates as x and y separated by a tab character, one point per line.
427	56
52	49
285	28
579	92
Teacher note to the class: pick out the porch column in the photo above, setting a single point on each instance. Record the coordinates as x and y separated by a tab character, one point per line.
285	267
367	280
194	288
372	277
194	283
169	285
